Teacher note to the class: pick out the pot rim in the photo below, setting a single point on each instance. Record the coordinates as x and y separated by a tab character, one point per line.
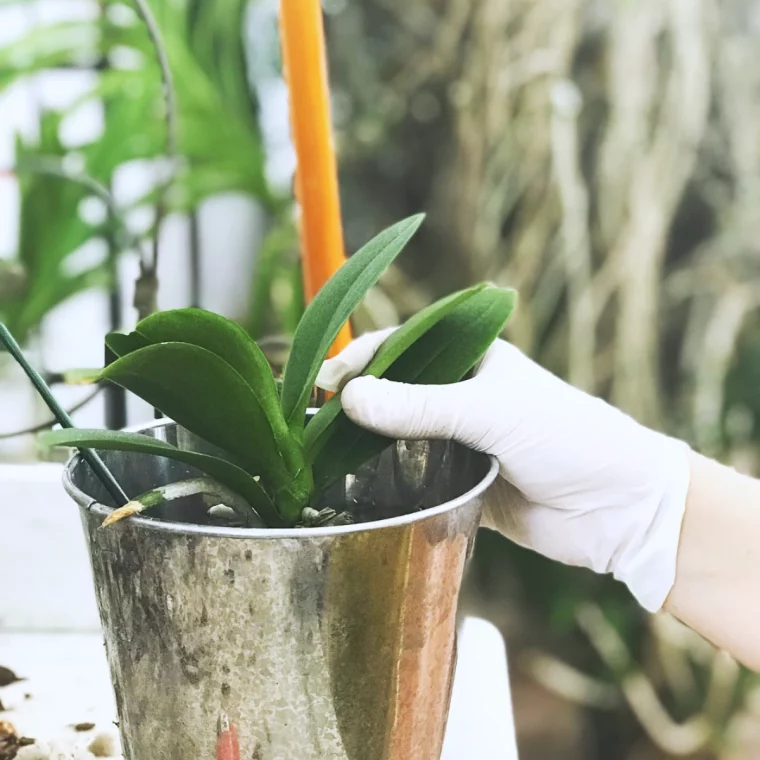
147	523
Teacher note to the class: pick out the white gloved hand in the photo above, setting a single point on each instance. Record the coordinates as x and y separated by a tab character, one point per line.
583	483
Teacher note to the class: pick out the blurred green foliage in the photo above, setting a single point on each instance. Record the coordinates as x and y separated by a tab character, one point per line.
220	145
51	230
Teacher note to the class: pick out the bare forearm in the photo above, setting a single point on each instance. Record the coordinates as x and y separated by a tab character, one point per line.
717	585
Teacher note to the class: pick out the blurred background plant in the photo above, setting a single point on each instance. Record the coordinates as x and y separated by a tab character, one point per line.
220	148
602	158
77	216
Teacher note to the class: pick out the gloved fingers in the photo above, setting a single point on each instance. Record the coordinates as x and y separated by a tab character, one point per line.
564	535
349	363
503	508
513	368
412	412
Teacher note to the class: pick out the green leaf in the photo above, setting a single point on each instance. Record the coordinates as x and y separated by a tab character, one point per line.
454	346
125	343
403	338
330	310
444	354
319	430
51	231
229	342
203	393
225	472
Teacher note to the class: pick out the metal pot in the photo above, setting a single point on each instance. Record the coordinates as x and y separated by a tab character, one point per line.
332	643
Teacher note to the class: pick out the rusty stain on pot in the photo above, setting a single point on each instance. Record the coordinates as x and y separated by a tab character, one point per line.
321	644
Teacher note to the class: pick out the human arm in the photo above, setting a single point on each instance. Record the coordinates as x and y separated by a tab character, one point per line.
717	583
586	485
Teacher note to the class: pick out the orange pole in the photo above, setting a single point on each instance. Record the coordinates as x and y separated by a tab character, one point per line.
305	64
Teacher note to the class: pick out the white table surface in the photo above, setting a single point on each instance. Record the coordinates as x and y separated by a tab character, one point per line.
67	683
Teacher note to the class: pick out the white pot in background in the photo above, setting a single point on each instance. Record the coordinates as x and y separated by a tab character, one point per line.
47	582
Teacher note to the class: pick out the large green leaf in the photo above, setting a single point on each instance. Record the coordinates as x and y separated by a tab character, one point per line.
225	472
203	393
222	337
229	342
444	354
330	310
319	430
453	347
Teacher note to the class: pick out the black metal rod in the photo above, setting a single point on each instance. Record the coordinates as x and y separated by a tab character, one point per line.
115	400
115	395
195	259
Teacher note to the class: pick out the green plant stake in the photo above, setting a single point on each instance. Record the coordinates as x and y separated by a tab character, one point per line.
205	373
103	473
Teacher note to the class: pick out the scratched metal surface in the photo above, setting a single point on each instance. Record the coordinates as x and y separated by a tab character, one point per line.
321	644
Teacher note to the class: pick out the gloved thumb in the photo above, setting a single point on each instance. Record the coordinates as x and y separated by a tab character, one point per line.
402	411
350	362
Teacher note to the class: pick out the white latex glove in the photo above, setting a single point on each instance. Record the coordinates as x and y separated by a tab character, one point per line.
583	483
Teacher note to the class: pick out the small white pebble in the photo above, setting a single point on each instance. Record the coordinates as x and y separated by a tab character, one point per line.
221	510
104	745
33	753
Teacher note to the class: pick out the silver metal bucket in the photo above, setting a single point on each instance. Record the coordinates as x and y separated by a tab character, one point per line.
320	644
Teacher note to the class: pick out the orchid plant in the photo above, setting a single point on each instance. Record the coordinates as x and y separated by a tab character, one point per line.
204	372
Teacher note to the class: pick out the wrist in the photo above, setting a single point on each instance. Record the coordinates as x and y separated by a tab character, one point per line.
647	562
718	569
